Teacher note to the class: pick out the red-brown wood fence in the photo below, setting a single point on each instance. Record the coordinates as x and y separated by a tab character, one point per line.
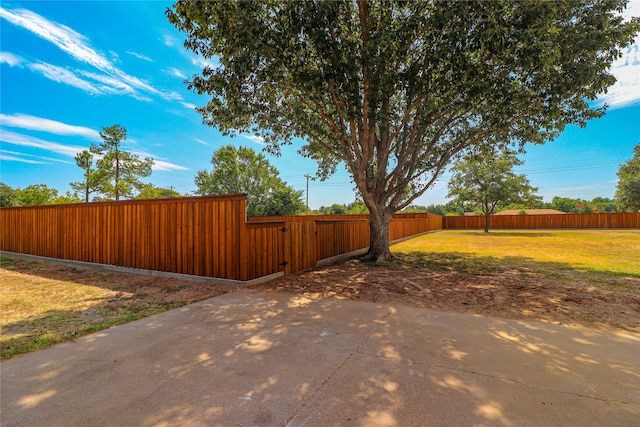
203	236
211	236
592	220
196	235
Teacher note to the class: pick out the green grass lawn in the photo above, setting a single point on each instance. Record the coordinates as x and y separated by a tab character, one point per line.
612	252
43	304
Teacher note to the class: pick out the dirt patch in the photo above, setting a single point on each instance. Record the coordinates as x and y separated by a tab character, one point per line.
126	288
569	297
43	304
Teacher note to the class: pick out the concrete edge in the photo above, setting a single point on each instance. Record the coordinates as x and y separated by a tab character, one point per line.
348	255
340	258
143	272
393	242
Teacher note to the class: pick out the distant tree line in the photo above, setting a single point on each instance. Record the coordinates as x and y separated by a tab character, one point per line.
242	170
109	173
562	204
41	194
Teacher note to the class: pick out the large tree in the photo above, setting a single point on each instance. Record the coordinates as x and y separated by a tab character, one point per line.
394	90
94	179
628	188
242	170
485	181
122	169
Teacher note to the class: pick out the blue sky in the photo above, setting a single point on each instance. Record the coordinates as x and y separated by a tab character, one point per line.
67	69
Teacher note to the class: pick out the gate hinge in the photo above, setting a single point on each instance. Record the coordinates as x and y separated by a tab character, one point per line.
284	263
284	230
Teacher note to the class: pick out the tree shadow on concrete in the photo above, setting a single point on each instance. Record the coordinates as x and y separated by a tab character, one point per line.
513	288
252	358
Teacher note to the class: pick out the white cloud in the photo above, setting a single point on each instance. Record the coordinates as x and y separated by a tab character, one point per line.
29	141
626	70
199	141
140	56
168	40
189	105
25	121
60	35
110	85
6	158
626	90
71	150
254	138
11	59
176	73
77	46
202	63
158	163
63	75
161	165
172	96
48	160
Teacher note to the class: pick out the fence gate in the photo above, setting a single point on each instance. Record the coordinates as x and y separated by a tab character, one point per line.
299	246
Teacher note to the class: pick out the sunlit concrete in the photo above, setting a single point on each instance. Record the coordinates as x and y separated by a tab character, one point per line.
257	359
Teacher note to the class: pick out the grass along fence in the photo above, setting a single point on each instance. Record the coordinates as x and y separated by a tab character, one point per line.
203	236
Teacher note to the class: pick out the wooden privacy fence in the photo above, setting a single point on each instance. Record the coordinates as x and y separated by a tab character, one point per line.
211	236
203	236
605	220
200	235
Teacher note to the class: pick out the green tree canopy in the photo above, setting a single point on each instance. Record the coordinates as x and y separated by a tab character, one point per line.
242	170
597	205
150	191
33	195
8	195
94	180
395	89
484	181
628	188
36	195
122	170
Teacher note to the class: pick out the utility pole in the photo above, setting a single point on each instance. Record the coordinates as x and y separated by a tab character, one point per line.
307	176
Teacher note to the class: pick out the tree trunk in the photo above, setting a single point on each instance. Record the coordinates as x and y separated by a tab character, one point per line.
379	237
486	221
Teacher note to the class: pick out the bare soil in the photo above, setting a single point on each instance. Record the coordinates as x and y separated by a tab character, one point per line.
126	288
569	297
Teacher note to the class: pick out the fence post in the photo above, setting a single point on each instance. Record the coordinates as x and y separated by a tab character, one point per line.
244	250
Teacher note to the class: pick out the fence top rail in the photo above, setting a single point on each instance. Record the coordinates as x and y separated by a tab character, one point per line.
257	224
346	217
231	197
546	215
343	220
